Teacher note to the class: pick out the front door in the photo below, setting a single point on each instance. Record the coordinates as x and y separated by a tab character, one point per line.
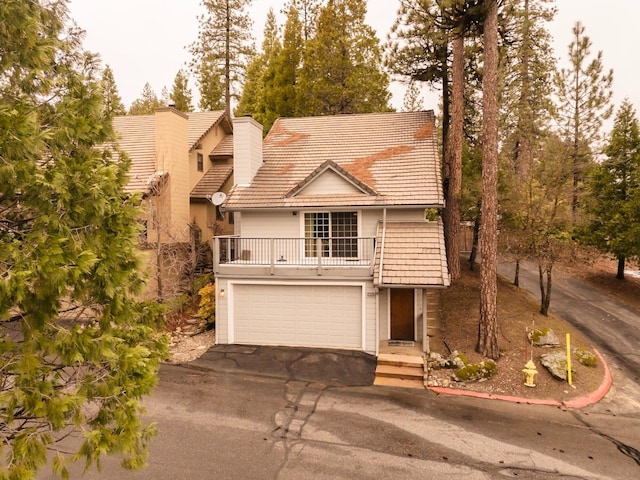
402	314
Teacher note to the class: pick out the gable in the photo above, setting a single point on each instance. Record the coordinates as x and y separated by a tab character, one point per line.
328	183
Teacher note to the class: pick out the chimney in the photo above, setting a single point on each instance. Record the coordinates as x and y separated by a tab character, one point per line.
247	150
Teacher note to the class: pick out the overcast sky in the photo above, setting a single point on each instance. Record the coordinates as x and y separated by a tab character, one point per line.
145	40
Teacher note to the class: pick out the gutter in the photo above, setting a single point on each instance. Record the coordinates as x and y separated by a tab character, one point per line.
384	235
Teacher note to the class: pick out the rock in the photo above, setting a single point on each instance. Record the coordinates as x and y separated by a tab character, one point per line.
544	337
556	363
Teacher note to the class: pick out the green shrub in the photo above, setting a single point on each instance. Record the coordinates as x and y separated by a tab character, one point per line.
585	357
476	371
538	333
207	307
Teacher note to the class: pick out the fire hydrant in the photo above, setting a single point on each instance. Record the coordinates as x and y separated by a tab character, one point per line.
530	371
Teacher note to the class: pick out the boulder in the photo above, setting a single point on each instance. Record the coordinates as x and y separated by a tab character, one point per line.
556	363
544	337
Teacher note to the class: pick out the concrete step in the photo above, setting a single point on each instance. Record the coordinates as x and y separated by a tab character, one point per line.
394	371
400	360
398	382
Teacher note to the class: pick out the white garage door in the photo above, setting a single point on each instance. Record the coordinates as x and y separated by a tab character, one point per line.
298	315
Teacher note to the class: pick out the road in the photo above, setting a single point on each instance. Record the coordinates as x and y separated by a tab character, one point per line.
613	327
247	417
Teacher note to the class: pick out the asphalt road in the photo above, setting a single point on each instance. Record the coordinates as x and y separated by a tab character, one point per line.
260	413
613	327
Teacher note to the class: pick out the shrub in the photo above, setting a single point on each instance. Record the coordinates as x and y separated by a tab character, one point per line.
538	333
475	371
585	357
207	307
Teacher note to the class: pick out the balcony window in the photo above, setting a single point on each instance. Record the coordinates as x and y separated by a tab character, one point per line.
338	232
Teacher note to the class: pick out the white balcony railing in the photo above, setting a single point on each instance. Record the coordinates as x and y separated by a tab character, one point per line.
310	252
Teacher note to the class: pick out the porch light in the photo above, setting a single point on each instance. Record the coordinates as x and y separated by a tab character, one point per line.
222	292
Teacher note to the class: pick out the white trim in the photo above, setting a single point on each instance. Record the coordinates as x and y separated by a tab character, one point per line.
230	294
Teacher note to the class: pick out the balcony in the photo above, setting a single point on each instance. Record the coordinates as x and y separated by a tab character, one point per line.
296	254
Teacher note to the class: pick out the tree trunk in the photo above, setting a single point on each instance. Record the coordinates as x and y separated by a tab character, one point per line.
227	63
454	161
488	326
516	277
620	274
545	289
476	238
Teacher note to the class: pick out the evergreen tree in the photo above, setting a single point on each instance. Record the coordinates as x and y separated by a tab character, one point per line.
111	98
252	99
222	51
488	326
308	11
584	93
412	101
79	351
181	93
147	103
614	188
342	70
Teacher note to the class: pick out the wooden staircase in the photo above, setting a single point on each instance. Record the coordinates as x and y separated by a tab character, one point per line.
395	370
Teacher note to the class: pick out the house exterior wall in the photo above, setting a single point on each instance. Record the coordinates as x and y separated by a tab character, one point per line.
172	129
206	145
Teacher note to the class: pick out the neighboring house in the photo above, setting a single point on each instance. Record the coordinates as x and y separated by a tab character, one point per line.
332	244
178	161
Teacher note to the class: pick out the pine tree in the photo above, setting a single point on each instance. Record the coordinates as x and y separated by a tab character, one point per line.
181	93
614	188
79	351
342	68
308	11
252	98
412	101
111	98
222	51
488	326
147	103
584	93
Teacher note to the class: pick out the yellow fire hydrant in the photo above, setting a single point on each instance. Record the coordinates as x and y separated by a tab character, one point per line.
530	372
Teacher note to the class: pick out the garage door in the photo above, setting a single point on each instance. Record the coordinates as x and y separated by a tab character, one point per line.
298	315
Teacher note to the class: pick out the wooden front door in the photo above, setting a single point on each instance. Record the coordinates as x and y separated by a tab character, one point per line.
402	314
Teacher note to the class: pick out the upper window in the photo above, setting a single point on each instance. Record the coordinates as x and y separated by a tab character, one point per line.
337	233
200	162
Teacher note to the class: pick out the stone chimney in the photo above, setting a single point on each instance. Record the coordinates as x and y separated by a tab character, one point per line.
247	150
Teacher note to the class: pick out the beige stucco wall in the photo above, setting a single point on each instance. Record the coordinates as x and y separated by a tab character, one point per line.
172	129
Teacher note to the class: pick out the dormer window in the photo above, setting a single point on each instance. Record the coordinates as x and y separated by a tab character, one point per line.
334	233
200	162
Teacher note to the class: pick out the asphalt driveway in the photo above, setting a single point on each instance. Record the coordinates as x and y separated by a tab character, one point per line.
318	365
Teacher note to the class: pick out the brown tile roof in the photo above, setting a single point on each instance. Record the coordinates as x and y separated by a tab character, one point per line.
411	254
224	148
394	154
212	181
200	123
331	165
137	136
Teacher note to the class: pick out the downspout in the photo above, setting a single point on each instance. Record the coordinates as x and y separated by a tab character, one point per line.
384	233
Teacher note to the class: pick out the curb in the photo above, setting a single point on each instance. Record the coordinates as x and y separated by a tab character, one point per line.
580	402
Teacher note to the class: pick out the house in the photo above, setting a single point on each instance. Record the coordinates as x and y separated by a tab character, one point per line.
178	161
337	238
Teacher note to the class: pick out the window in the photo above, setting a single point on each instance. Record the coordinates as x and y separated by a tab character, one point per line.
338	232
200	162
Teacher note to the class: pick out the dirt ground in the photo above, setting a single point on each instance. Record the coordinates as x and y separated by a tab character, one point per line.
518	312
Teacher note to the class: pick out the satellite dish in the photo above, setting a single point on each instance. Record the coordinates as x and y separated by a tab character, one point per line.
217	198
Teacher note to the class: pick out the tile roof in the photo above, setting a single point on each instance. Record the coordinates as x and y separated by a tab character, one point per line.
411	254
393	154
137	136
200	123
212	181
224	147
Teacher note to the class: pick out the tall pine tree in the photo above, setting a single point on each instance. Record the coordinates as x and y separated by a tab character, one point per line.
181	93
222	52
614	193
584	95
111	98
342	70
79	351
147	103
